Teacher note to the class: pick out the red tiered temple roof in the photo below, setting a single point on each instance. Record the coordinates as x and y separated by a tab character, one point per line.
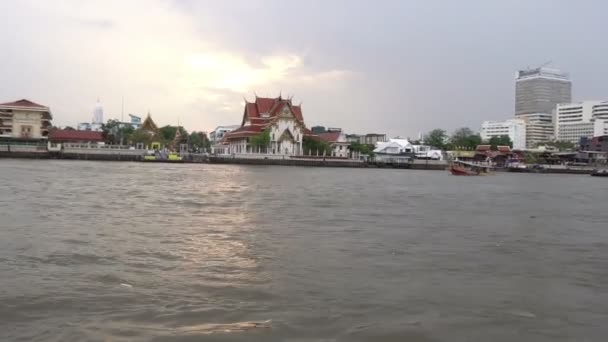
260	113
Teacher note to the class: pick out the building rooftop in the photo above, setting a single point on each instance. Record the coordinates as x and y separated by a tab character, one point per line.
331	136
542	72
69	135
24	103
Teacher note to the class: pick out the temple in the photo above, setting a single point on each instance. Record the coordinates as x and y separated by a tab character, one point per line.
269	125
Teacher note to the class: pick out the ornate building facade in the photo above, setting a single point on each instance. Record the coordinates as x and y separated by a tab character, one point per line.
276	122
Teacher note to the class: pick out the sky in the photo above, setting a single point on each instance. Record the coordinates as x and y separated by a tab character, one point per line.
397	67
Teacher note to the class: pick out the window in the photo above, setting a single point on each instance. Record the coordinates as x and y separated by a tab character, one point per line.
26	131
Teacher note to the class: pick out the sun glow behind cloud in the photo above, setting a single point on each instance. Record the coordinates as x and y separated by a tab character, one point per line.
232	72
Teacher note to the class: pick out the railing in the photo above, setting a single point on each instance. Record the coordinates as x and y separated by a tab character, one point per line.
98	147
280	157
24	147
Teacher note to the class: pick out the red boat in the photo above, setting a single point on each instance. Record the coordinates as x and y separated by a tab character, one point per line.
460	168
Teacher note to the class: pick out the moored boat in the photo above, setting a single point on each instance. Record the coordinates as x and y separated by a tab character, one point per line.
600	173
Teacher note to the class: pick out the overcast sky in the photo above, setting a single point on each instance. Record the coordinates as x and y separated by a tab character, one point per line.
398	67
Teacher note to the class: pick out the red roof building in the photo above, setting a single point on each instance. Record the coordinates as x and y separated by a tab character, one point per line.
24	119
338	142
74	136
279	117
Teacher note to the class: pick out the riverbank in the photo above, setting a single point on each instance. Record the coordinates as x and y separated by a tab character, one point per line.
108	154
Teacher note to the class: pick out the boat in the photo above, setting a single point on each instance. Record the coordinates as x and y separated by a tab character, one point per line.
162	156
462	168
600	173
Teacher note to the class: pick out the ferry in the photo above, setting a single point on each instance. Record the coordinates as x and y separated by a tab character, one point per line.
462	168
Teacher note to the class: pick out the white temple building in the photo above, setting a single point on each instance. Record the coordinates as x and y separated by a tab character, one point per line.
277	117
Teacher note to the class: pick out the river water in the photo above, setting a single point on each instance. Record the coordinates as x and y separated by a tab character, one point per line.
102	251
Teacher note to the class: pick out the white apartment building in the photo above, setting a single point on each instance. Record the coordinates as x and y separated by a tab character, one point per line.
585	119
539	128
218	134
573	121
515	129
600	119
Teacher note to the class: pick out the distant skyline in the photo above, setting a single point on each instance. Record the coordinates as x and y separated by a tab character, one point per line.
395	67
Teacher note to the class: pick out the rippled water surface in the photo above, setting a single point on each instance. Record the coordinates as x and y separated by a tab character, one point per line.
157	252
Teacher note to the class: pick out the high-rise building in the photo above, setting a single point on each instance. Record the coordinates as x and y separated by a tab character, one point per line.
540	90
537	93
98	113
515	129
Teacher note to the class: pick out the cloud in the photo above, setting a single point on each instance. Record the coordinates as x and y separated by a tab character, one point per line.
392	66
148	52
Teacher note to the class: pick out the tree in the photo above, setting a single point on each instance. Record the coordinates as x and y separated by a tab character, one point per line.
356	146
502	140
199	141
436	138
260	141
311	146
140	136
110	131
465	138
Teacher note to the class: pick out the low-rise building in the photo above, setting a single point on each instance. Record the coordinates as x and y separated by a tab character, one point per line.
24	120
427	152
75	136
217	135
59	137
596	144
355	138
135	121
338	142
394	151
374	138
515	129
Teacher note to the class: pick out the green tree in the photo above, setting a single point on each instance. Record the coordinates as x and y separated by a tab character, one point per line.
140	136
199	141
312	145
260	141
436	138
110	131
356	146
465	138
167	134
502	140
